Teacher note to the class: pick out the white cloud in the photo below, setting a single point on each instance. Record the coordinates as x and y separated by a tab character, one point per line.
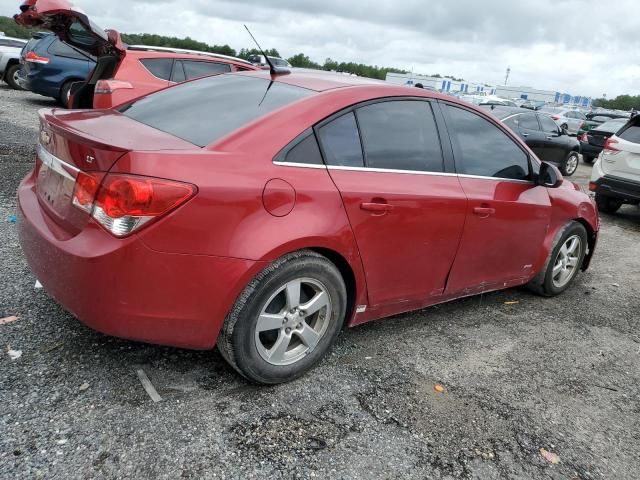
585	47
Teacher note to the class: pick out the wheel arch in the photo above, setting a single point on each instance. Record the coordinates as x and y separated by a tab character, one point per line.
592	237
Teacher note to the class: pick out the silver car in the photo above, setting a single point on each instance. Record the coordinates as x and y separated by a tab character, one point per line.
566	118
10	59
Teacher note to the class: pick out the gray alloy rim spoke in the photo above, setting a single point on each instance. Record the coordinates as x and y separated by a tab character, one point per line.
270	321
279	349
316	303
293	294
566	263
308	336
292	321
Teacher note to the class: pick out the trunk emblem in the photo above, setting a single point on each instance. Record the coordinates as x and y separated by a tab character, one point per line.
89	159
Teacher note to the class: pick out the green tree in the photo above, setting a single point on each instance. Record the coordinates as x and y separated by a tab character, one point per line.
12	29
303	61
621	102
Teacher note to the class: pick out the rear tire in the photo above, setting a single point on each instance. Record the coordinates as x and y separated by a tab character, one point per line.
570	165
607	204
270	336
63	99
588	159
564	261
10	76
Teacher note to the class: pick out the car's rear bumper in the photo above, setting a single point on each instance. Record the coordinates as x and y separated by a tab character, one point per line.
616	187
123	288
590	150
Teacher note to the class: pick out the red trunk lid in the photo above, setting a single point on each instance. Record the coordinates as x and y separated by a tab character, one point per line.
89	141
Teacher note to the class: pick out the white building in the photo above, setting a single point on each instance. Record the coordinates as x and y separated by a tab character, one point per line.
548	96
440	83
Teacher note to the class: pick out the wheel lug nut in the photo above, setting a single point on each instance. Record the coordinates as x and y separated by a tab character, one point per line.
288	330
302	313
299	326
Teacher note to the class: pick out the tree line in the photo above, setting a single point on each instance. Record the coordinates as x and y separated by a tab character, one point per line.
11	29
621	102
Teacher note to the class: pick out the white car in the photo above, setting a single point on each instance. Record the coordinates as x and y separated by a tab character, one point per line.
615	177
10	49
568	119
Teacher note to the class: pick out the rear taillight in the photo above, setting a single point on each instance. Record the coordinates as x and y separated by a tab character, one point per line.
106	87
593	186
124	203
609	146
33	57
555	117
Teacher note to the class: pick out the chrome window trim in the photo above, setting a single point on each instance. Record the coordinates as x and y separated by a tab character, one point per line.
301	165
54	163
390	170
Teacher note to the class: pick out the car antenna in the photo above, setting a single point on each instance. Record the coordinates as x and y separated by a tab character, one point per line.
272	68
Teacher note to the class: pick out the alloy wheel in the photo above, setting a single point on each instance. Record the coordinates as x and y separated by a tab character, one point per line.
292	321
572	164
566	263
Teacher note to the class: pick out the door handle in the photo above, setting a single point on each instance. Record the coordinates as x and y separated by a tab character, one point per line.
376	207
550	138
525	135
484	211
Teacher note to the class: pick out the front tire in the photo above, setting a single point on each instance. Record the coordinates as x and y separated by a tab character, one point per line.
607	204
564	261
286	319
11	77
587	159
570	165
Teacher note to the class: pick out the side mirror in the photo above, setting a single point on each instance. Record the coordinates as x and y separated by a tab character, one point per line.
549	176
563	131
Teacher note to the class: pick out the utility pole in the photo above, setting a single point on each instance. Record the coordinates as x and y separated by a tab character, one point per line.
506	78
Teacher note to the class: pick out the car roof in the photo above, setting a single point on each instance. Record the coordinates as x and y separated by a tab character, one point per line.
4	37
320	80
158	52
503	111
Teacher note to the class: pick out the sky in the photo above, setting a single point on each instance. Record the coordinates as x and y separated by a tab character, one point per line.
582	47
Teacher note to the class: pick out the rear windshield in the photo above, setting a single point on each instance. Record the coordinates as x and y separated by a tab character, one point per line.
611	126
631	132
205	110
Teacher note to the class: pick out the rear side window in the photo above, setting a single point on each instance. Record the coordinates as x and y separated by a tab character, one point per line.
159	67
202	69
178	72
204	111
548	125
631	133
400	135
528	121
341	142
482	149
303	149
61	49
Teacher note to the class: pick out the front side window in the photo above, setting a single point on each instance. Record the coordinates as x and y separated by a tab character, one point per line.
482	149
341	142
159	67
202	69
528	121
400	135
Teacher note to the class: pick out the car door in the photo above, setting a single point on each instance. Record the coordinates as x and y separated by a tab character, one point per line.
406	211
507	214
530	131
555	140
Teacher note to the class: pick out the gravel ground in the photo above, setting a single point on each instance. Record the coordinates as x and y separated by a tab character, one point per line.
558	374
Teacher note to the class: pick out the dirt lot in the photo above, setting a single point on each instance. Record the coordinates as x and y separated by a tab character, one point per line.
561	374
